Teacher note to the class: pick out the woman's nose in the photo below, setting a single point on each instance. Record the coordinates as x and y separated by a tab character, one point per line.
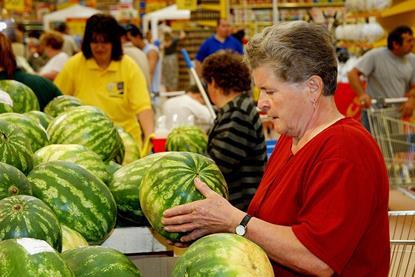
263	105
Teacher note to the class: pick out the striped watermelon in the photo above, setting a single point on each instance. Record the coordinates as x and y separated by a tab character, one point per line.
31	257
187	138
24	99
41	117
79	199
169	182
99	261
76	153
125	187
30	127
24	216
88	126
61	104
71	239
223	255
6	103
4	108
15	147
112	167
132	151
13	182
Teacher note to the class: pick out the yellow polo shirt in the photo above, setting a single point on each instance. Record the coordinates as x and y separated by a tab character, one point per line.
119	90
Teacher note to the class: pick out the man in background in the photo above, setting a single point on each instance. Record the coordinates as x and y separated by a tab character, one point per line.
221	40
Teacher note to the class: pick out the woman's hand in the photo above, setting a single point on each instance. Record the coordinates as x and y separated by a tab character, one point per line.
211	215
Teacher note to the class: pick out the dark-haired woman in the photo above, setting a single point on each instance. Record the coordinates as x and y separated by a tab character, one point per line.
102	76
236	141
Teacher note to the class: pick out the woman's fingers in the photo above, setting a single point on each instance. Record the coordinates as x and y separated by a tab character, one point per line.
182	228
194	235
176	220
179	210
204	189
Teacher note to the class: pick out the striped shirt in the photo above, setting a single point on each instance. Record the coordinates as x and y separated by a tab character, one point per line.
237	145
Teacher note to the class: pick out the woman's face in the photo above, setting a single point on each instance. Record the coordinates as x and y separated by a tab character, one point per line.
288	105
101	48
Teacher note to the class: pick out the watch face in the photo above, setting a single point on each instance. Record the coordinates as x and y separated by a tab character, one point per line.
240	230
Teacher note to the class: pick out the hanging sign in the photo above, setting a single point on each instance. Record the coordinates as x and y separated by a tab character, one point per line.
186	4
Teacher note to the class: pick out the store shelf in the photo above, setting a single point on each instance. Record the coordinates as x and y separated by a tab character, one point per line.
253	6
403	7
212	7
309	5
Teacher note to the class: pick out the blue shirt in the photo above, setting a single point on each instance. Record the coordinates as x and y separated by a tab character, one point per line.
212	45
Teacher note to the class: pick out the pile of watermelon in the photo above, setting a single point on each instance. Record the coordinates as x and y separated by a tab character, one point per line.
68	176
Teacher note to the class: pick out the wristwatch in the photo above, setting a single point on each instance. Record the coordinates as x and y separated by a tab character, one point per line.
241	228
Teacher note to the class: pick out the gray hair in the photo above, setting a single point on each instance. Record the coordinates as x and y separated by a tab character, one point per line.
295	51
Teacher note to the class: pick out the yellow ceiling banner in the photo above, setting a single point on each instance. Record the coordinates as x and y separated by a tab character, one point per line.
15	5
186	4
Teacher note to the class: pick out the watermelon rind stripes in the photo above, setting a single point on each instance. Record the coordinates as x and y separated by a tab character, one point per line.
88	126
71	239
27	257
99	261
79	199
13	181
24	99
31	128
61	104
41	117
125	187
187	138
25	216
15	147
223	255
76	153
4	108
169	182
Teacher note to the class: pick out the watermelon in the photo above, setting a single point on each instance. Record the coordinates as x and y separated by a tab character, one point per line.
6	103
88	126
169	182
71	239
13	181
99	261
41	117
80	200
30	127
24	99
76	153
112	167
61	104
132	150
32	258
125	187
15	147
223	255
187	138
4	108
24	216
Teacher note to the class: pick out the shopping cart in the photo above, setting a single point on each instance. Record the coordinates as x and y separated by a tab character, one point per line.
396	139
402	239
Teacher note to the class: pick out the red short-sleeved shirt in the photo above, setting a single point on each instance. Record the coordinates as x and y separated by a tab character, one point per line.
334	194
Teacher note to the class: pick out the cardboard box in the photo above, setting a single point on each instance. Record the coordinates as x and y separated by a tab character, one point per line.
154	265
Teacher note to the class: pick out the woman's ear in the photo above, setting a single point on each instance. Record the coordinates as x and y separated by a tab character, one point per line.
315	86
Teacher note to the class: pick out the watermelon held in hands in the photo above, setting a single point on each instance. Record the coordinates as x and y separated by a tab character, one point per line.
88	126
30	127
79	199
71	239
169	182
13	182
31	257
187	138
99	261
15	147
75	153
24	99
61	104
223	255
125	187
24	216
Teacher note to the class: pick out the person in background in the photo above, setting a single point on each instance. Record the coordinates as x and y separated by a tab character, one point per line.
136	54
69	45
388	71
153	55
34	55
179	109
322	206
44	89
236	141
17	40
170	65
221	40
103	77
51	45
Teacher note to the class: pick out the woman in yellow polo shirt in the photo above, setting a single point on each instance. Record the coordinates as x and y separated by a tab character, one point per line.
102	76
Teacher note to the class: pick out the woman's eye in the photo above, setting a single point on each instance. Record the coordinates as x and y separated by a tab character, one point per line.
269	92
